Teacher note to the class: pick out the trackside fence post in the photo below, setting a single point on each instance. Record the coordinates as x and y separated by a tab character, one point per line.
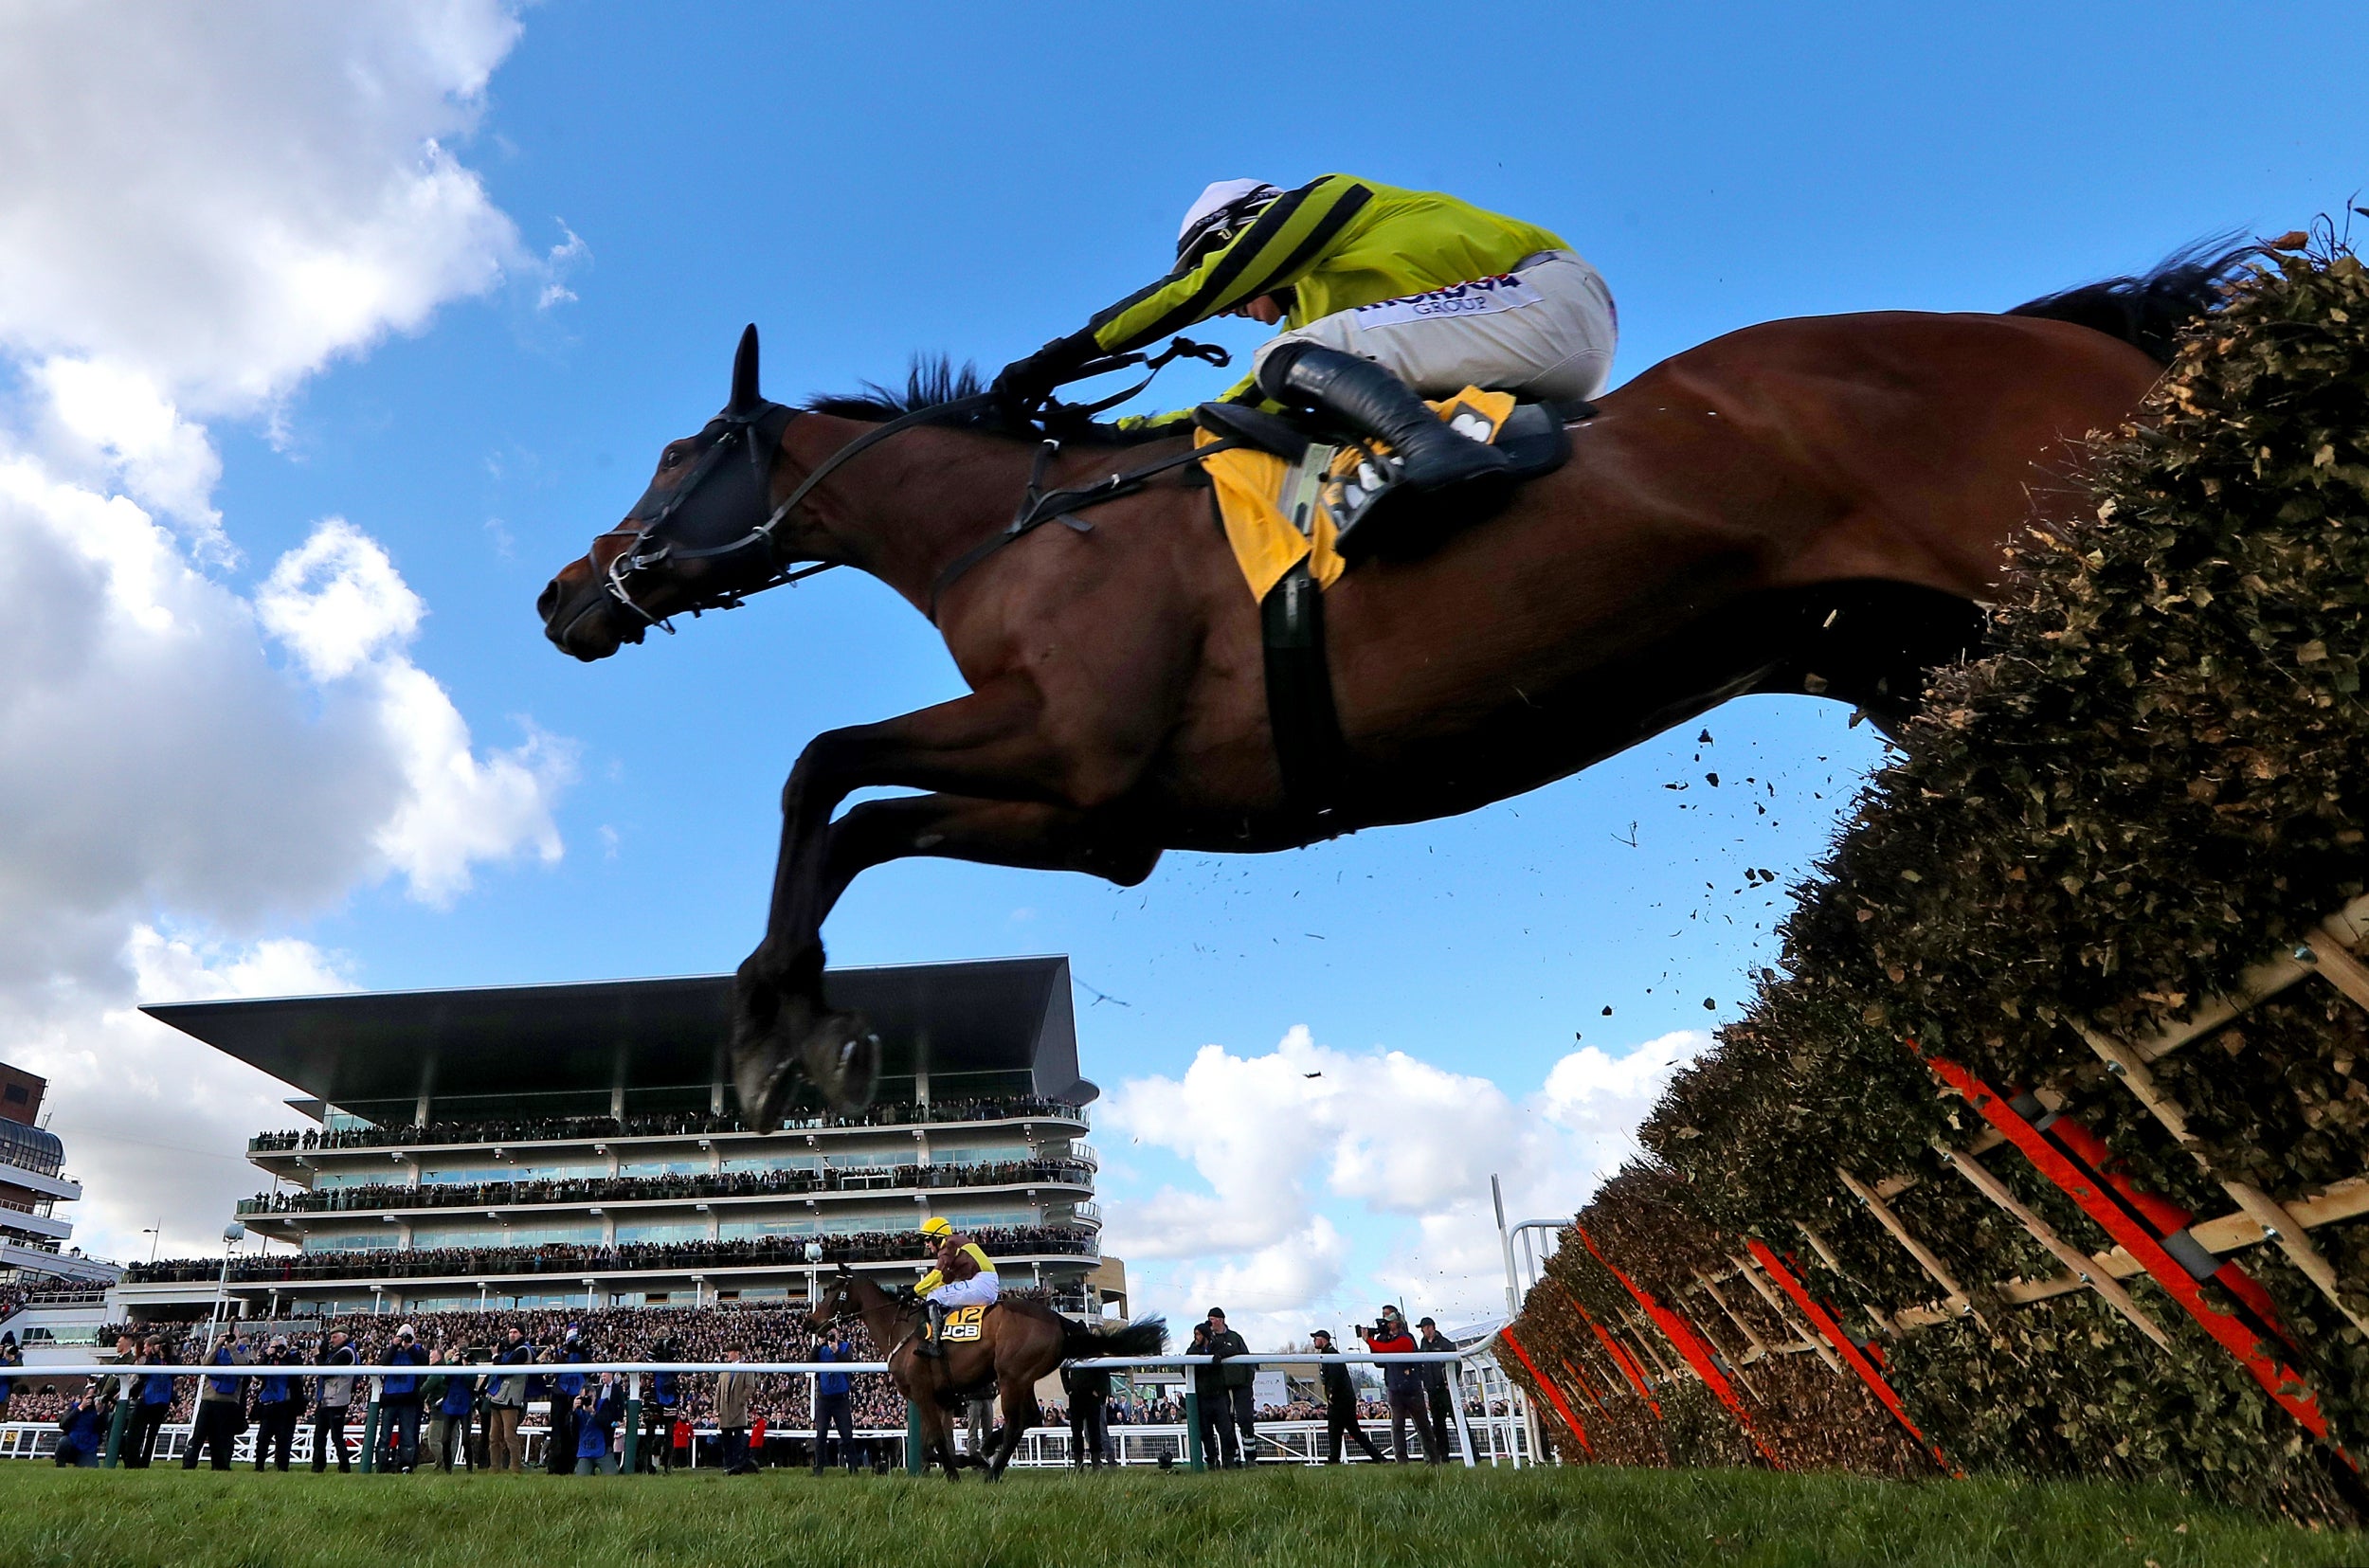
1194	1458
633	1421
917	1460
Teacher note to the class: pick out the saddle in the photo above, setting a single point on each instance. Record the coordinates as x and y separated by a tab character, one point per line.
1330	481
1285	489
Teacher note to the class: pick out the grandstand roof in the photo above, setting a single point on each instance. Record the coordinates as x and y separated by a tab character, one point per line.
982	1016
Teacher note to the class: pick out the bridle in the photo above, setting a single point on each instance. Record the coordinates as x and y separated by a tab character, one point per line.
753	426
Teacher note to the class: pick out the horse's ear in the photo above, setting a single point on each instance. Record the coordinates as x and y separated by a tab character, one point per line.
745	394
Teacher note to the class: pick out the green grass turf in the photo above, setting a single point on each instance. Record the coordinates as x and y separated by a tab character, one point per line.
1371	1517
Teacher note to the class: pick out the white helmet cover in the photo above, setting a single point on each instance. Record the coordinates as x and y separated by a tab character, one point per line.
1221	206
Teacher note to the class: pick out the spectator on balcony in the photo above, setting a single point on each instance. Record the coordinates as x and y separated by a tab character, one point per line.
278	1400
333	1399
221	1410
505	1401
834	1414
151	1401
399	1401
10	1359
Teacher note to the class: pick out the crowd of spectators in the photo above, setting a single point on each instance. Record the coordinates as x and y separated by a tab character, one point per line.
778	1406
392	1195
577	1259
659	1125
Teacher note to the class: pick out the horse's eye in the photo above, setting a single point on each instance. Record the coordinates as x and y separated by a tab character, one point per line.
673	456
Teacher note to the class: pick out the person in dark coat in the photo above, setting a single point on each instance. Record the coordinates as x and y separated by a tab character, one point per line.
1240	1408
1220	1443
278	1400
1438	1392
1340	1404
151	1401
1088	1392
11	1359
330	1405
399	1403
221	1410
658	1411
560	1447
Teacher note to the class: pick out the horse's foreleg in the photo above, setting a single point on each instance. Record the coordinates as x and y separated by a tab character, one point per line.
987	747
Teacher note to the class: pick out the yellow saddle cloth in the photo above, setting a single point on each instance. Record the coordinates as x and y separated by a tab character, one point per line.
963	1322
1278	512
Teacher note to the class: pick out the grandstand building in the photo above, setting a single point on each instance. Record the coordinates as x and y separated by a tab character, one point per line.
558	1145
33	1250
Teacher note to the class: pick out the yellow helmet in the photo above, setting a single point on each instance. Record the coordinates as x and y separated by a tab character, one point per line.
937	1225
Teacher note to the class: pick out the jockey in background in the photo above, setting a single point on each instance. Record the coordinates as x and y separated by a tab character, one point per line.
1386	295
965	1276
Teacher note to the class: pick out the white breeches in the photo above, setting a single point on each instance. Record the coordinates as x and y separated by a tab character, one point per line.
978	1290
1549	334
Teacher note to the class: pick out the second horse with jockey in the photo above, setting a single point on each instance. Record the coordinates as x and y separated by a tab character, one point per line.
964	1276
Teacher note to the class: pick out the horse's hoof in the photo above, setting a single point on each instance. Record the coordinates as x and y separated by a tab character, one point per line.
763	1076
842	1059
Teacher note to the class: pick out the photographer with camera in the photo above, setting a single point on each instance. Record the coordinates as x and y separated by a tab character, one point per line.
1389	1337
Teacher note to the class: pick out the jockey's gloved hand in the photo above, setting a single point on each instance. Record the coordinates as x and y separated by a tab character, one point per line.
1024	384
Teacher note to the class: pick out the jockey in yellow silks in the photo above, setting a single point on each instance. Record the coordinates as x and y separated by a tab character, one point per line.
965	1276
1386	295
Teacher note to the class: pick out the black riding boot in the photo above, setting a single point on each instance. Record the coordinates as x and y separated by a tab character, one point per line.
1371	400
933	1335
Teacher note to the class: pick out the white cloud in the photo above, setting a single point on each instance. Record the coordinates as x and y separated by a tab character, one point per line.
227	195
1291	1148
336	601
204	205
153	1127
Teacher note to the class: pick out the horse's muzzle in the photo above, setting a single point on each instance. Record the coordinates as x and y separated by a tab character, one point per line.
581	623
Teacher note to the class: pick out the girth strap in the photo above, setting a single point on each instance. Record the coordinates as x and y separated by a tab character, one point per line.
1300	712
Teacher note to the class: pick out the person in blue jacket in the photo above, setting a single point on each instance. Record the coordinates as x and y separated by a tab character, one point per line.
561	1459
833	1404
152	1403
220	1409
448	1433
82	1429
399	1400
278	1400
659	1411
595	1424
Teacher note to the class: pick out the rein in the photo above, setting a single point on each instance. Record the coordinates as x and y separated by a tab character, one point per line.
1036	508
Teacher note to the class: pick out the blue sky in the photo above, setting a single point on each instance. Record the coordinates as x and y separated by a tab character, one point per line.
866	183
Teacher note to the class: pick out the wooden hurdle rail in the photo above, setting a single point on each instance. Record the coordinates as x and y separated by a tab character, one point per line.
1630	1350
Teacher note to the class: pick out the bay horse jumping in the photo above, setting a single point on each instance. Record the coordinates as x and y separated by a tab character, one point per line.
1019	1342
1816	505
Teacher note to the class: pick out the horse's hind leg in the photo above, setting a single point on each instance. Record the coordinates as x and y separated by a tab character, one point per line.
1020	1412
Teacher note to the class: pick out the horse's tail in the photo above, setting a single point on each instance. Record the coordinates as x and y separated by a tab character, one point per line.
1144	1336
2148	310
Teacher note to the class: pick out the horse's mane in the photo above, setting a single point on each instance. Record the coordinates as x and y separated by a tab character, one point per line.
932	382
